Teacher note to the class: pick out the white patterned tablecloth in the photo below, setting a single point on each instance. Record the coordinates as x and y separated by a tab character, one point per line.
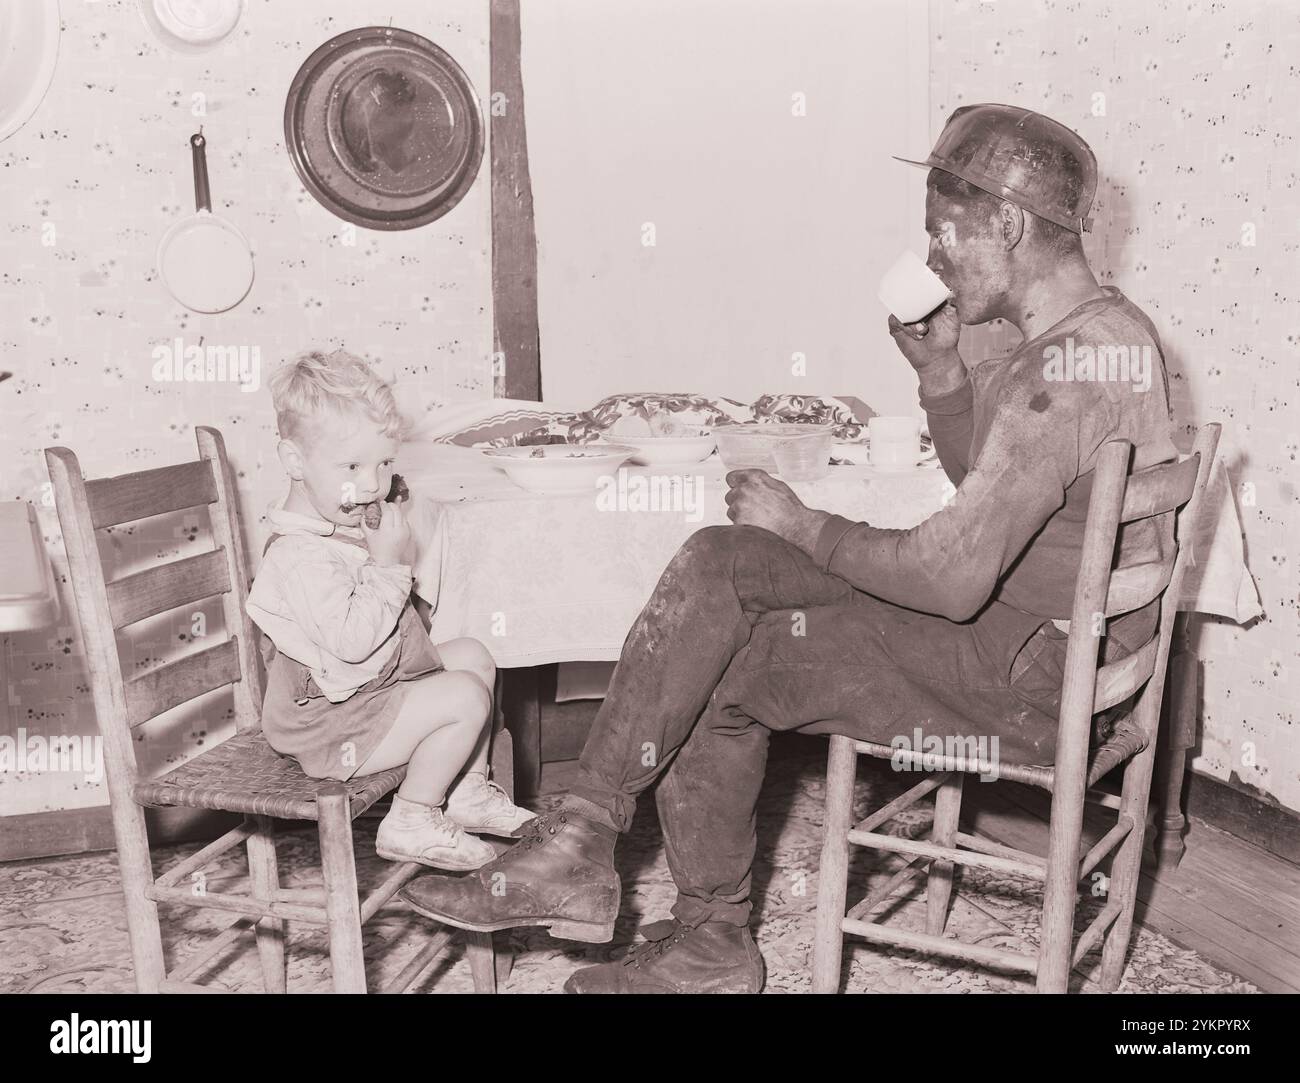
542	579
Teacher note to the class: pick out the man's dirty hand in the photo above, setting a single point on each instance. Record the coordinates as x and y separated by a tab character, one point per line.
755	498
930	347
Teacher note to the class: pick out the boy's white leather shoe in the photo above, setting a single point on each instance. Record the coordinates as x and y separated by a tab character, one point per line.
414	832
482	806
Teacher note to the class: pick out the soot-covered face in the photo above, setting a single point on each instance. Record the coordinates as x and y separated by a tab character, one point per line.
967	251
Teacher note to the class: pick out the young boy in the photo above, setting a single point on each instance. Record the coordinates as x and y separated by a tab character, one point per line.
356	686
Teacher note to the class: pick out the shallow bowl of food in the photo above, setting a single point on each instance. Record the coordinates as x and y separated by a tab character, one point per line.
752	446
687	445
559	468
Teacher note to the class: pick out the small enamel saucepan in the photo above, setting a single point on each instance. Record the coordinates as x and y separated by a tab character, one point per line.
204	260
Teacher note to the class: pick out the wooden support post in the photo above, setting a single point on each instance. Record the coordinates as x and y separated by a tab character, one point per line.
482	961
938	892
833	875
522	708
342	906
514	240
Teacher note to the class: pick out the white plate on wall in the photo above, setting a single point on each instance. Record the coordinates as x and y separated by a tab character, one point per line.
191	26
29	52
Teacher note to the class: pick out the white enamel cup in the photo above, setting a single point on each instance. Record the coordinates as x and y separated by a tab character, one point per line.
895	442
910	290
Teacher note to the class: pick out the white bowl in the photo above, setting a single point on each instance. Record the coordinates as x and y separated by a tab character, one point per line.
669	450
559	468
751	446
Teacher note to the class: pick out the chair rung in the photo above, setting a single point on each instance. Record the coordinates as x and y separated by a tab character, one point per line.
945	853
1105	845
387	888
1159	488
238	904
312	896
145	493
171	985
928	761
1132	588
160	689
1116	681
1101	797
988	846
920	760
166	586
902	802
1094	931
197	860
939	945
219	943
912	869
416	968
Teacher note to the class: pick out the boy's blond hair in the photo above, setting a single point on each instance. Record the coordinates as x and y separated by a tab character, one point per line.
315	384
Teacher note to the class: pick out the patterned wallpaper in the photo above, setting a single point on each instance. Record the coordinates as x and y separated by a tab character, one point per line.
87	188
1190	107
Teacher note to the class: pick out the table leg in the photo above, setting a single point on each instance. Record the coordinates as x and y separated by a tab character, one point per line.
521	705
1177	736
6	709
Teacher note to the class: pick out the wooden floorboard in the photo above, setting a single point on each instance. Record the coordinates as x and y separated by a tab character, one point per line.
1249	895
1236	880
1228	900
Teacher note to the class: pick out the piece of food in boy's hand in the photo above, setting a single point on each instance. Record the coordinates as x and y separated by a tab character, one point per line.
373	512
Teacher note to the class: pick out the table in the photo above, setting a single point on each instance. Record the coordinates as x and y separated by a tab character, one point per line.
28	597
541	579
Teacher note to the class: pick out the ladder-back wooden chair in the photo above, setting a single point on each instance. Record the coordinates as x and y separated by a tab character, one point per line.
1087	690
241	775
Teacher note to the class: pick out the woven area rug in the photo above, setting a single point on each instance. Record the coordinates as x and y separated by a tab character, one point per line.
62	926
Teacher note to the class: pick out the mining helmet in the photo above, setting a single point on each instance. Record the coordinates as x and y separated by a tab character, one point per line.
1020	156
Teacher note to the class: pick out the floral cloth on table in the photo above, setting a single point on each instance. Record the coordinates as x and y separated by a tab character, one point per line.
848	415
523	427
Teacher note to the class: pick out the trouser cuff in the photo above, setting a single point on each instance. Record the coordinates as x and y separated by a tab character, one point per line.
591	810
693	910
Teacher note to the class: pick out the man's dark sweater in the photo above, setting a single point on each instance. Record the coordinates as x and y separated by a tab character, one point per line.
1020	443
711	667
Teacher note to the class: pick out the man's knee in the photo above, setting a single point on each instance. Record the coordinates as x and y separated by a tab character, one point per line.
719	544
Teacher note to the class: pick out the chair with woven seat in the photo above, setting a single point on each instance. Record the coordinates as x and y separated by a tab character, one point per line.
241	775
1134	684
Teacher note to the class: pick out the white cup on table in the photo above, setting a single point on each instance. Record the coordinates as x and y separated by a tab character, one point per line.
894	442
910	290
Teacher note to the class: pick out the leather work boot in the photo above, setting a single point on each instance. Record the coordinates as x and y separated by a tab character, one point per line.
560	875
711	957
